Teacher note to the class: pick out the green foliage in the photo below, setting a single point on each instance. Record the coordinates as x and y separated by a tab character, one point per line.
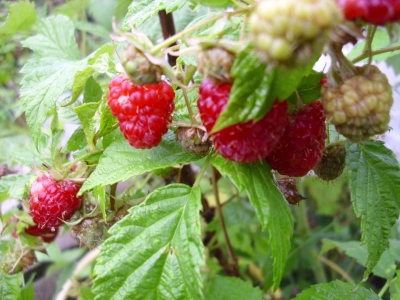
375	191
139	11
155	252
338	290
21	17
269	203
120	161
10	286
230	288
167	239
255	91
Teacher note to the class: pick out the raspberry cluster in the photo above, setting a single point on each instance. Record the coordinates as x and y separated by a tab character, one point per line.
51	202
247	142
143	111
300	148
359	107
377	12
292	31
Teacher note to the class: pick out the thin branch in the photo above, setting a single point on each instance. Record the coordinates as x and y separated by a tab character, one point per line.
335	267
191	114
222	222
82	264
364	55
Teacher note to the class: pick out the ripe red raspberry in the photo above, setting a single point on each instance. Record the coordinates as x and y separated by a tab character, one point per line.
247	142
377	12
52	201
300	148
46	233
143	111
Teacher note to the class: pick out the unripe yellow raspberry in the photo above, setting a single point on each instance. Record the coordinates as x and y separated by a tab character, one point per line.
360	106
290	32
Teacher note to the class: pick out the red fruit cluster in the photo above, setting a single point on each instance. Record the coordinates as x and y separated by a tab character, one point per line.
300	148
377	12
143	111
247	142
51	202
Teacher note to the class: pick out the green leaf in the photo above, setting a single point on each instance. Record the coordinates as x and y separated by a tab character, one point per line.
108	122
286	81
309	88
92	28
337	290
80	79
121	161
248	98
394	62
14	186
270	205
213	3
231	288
55	38
77	141
93	91
385	268
47	78
154	252
86	114
73	8
375	192
21	16
139	11
10	286
99	193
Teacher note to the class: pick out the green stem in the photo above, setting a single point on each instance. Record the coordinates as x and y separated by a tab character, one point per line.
181	34
303	229
222	222
386	286
75	161
202	171
364	55
191	114
371	33
189	74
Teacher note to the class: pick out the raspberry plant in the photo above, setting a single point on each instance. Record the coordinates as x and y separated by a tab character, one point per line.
183	163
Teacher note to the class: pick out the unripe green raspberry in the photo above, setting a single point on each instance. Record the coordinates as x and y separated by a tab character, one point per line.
290	32
138	68
332	163
216	63
193	140
360	106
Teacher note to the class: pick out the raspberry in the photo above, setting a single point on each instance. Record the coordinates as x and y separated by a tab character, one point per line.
289	190
377	12
48	234
291	32
52	201
300	148
359	107
332	163
91	232
143	111
138	68
247	142
193	140
215	63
